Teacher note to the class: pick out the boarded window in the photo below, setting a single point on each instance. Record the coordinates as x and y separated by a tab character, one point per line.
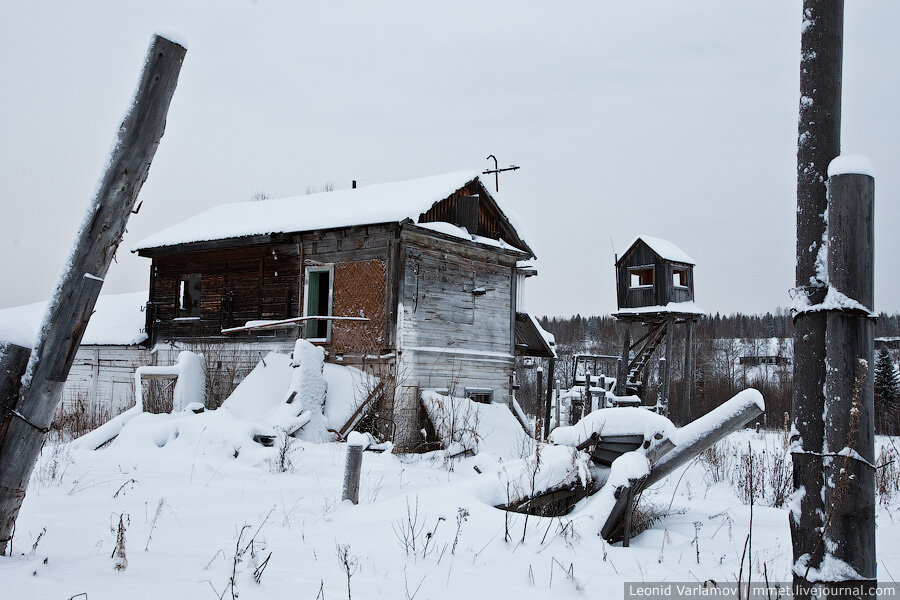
318	302
640	277
679	277
189	296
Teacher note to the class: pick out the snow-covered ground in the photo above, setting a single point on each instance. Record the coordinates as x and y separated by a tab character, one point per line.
189	505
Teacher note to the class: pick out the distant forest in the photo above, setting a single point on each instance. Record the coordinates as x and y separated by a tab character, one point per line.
582	333
718	343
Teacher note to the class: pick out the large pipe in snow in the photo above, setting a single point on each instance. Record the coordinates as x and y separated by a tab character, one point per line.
697	436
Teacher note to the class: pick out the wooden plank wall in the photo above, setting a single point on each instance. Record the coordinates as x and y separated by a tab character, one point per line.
450	338
265	281
663	290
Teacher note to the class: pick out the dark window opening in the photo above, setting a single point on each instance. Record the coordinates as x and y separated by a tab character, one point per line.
189	296
641	277
482	395
318	303
679	277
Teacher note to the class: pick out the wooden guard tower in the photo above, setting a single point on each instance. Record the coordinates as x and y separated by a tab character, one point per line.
655	285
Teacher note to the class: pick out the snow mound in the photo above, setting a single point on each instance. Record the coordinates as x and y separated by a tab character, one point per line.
614	421
467	426
261	396
216	434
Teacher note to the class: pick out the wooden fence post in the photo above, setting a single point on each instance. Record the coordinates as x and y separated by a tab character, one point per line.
688	372
353	469
27	419
549	401
558	401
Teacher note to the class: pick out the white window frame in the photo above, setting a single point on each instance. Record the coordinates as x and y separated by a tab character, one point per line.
329	268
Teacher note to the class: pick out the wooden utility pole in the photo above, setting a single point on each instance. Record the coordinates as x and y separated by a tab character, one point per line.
27	412
849	441
818	143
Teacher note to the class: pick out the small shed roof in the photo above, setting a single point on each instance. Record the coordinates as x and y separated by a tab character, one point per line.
366	205
664	248
118	320
532	339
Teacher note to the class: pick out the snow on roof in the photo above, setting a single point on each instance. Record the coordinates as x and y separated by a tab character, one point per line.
687	308
666	249
463	234
118	320
378	203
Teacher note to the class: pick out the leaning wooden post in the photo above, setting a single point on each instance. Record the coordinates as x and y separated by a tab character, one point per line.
688	373
849	448
549	401
667	382
27	418
818	144
355	446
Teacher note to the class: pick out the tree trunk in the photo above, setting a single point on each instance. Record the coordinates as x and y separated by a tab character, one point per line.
25	422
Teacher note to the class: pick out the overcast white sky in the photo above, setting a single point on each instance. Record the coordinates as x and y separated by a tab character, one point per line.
674	119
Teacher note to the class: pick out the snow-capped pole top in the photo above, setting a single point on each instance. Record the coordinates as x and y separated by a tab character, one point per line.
848	164
664	248
365	205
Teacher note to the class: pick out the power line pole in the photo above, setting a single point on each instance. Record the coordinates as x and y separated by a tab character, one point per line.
818	144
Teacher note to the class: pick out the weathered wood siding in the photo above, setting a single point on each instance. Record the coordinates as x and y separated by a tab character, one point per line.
663	289
473	208
102	379
448	336
241	283
237	285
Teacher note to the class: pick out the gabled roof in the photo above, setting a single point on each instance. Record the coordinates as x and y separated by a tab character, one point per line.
663	248
366	205
118	320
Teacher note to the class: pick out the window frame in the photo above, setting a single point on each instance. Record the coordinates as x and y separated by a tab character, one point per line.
182	314
650	268
477	391
678	271
326	268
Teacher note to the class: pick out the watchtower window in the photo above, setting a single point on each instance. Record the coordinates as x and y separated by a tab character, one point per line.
482	395
640	277
319	286
679	277
189	296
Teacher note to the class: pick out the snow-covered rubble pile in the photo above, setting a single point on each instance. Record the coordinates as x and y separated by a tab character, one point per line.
464	425
614	421
289	393
216	434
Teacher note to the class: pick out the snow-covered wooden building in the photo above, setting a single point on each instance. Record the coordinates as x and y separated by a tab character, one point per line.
101	381
416	280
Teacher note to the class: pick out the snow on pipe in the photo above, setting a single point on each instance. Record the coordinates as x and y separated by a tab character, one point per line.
698	435
190	387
